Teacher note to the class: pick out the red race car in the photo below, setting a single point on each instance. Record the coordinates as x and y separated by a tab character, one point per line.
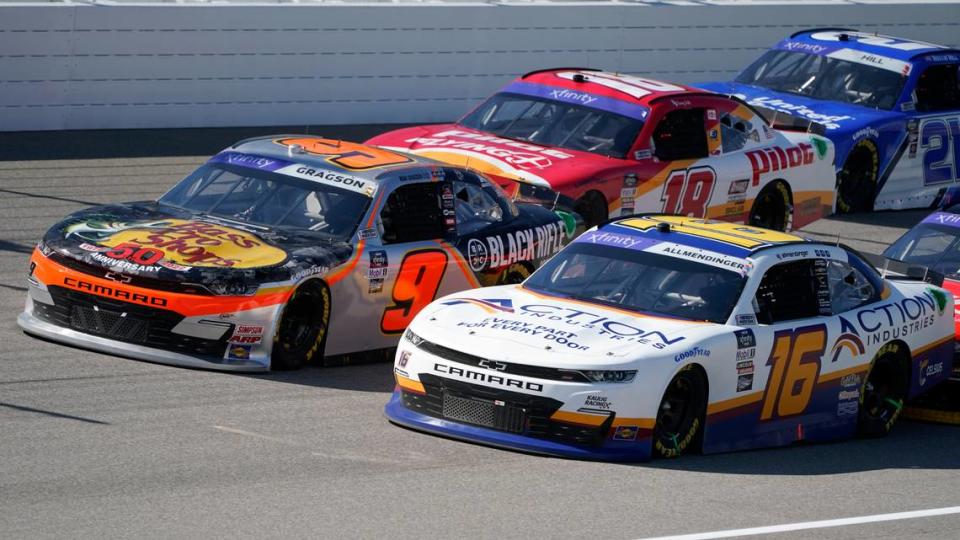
620	144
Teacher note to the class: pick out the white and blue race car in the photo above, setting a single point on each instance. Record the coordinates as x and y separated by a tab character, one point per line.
659	335
891	107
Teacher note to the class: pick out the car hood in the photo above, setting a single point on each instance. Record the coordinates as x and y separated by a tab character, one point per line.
151	241
506	159
836	116
514	324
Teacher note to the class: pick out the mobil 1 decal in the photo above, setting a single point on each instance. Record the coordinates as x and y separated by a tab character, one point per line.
501	250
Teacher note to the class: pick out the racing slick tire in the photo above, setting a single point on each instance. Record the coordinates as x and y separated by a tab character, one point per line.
773	207
515	274
680	417
884	391
302	327
857	181
593	208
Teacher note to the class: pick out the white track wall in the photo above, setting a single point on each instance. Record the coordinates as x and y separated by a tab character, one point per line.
153	66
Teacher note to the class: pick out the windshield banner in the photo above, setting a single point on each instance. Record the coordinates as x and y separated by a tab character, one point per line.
575	97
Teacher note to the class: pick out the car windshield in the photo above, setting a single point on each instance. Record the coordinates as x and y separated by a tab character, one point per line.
826	78
640	281
554	123
267	199
936	247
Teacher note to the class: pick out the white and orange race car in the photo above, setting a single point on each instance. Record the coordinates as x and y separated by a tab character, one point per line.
660	335
278	251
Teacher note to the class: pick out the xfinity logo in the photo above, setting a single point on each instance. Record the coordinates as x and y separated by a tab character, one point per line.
570	95
801	46
615	240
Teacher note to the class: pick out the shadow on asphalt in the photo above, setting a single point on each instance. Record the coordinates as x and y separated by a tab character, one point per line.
884	218
128	143
911	445
368	377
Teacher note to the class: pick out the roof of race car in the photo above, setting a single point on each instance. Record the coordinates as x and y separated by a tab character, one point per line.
722	237
622	94
342	164
845	44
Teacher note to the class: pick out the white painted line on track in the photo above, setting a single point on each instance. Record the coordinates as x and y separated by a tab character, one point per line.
788	527
251	434
328	455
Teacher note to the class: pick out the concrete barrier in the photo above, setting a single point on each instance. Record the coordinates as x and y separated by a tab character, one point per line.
83	66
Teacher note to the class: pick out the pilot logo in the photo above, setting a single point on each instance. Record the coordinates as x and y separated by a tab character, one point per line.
477	254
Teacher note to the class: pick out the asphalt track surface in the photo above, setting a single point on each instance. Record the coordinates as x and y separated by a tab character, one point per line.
98	446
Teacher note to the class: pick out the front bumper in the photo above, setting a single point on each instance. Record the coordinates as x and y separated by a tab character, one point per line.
223	333
32	325
397	413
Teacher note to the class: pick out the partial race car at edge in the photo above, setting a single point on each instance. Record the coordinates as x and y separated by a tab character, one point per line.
890	105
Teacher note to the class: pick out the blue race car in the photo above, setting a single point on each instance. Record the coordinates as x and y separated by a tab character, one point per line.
891	106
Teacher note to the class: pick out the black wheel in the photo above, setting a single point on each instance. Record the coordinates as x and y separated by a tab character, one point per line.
772	208
884	392
857	181
516	273
300	334
680	417
593	207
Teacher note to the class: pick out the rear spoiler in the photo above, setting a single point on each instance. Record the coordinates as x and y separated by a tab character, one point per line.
788	122
901	271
